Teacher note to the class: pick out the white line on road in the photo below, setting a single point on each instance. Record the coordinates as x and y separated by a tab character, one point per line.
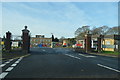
82	55
17	62
90	56
14	64
20	59
85	55
108	67
77	57
2	75
2	65
72	56
11	60
9	69
43	50
7	62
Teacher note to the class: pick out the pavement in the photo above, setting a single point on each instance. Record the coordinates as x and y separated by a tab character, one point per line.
60	63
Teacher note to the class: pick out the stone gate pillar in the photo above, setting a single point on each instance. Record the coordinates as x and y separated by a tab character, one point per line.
26	40
88	42
8	41
99	39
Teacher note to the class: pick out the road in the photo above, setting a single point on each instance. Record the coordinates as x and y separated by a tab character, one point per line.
60	63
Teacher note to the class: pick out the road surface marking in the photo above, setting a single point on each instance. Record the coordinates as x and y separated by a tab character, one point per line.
20	59
9	69
77	57
2	65
2	75
7	62
17	62
90	56
82	55
72	56
43	50
86	56
14	64
108	67
11	60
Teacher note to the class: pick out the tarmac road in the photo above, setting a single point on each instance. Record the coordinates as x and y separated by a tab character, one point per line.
60	63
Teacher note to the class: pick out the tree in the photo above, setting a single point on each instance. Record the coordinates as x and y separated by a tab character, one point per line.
56	40
61	39
80	32
113	30
96	31
103	30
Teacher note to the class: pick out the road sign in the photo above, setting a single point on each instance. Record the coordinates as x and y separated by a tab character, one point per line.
15	44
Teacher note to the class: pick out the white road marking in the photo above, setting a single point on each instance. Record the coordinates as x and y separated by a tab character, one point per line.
43	50
7	62
20	59
2	75
77	57
17	62
85	55
14	64
108	67
72	56
82	55
2	65
11	60
90	56
9	69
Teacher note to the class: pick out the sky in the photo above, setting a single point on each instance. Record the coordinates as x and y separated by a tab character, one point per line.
59	18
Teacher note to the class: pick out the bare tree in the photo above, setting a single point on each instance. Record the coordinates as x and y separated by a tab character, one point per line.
80	32
113	30
100	30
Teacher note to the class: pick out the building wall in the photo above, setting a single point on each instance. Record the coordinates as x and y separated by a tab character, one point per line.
36	41
108	44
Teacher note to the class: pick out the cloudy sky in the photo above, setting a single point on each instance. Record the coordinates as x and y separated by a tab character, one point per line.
59	18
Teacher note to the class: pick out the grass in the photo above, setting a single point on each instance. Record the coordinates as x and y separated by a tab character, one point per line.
110	52
12	54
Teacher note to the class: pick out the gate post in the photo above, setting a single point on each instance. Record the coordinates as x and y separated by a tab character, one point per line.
26	40
88	42
99	40
8	41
